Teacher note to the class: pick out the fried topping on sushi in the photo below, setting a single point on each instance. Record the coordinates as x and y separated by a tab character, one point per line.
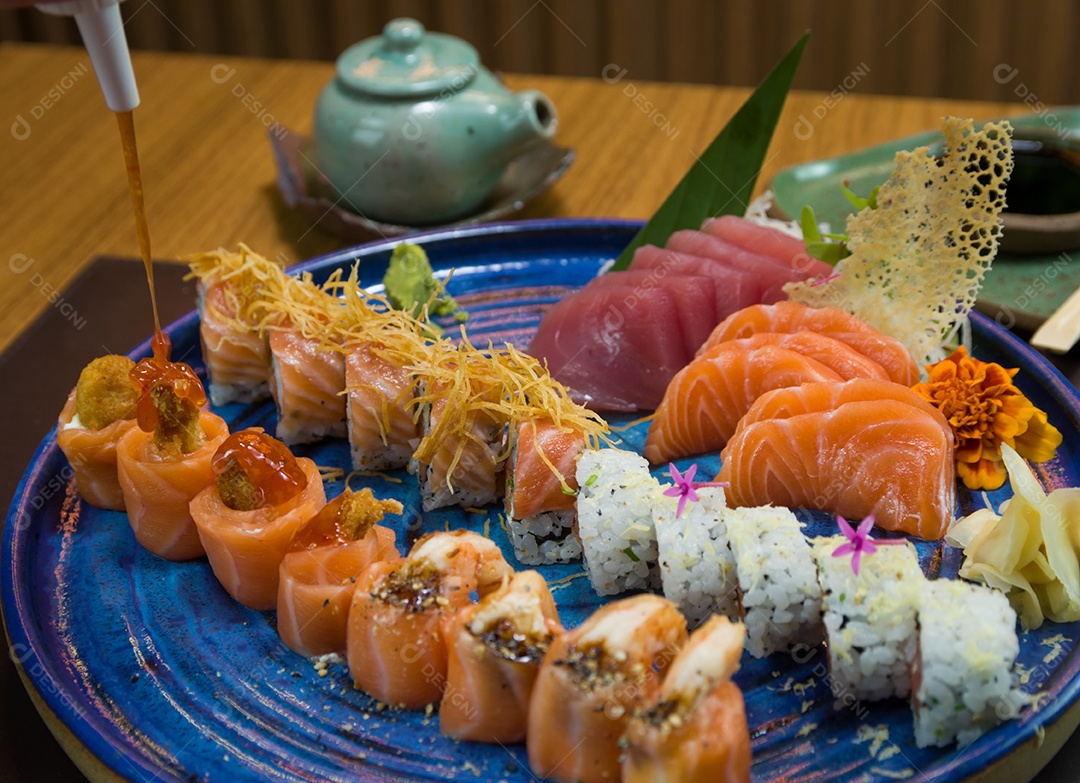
348	517
105	393
254	470
170	396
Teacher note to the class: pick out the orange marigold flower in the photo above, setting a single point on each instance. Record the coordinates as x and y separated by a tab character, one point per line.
985	409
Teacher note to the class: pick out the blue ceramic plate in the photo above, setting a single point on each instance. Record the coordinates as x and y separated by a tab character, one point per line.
162	676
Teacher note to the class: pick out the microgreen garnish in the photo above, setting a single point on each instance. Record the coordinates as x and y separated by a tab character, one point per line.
591	480
630	553
831	248
859	541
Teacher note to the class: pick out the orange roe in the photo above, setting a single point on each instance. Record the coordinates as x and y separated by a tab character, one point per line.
985	409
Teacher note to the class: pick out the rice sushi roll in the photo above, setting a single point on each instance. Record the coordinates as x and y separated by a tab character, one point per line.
229	293
962	682
616	496
697	569
308	387
541	488
777	587
382	431
870	618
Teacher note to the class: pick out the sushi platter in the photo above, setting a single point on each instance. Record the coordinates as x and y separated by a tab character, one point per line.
160	674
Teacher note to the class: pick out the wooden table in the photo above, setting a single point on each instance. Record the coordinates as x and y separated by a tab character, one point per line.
210	178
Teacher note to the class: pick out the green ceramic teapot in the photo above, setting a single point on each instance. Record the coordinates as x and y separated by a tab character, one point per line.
413	130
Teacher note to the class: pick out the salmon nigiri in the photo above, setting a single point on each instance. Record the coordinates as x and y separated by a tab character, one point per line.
695	731
787	317
165	462
706	399
495	649
592	680
865	456
260	496
318	574
99	411
396	651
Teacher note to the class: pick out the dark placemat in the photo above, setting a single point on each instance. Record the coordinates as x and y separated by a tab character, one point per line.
106	309
110	302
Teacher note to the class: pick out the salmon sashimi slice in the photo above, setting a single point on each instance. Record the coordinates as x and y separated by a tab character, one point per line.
707	398
768	241
308	386
592	680
696	730
847	362
816	397
237	359
92	454
882	457
246	548
318	574
887	351
382	430
395	648
784	317
495	648
543	457
159	490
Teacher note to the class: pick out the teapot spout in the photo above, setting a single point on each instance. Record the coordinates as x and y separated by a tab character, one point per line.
532	116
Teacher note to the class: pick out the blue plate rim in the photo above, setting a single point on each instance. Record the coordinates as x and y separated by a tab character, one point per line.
97	742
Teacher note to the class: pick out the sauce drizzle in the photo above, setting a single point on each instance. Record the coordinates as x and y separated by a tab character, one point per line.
266	461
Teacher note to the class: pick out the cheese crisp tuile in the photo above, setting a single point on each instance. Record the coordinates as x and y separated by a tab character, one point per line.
917	261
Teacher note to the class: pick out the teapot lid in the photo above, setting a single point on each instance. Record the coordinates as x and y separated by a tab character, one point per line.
407	60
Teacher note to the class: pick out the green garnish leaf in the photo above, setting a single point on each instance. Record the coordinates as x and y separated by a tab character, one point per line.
859	202
829	252
808	224
630	553
591	480
722	179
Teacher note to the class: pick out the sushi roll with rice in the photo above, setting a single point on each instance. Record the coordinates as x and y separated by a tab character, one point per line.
540	491
776	579
696	567
962	683
870	618
615	522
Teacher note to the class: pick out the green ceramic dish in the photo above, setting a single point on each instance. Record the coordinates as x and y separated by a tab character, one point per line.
1019	290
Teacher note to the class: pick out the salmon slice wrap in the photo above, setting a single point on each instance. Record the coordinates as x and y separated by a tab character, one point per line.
396	650
696	730
592	680
318	574
246	546
495	648
158	489
92	454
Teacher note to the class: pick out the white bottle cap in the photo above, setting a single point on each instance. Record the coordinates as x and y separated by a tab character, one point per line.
103	35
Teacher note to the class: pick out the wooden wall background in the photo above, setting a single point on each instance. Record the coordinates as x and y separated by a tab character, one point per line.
945	48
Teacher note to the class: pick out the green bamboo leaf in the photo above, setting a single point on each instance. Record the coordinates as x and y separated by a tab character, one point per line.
722	180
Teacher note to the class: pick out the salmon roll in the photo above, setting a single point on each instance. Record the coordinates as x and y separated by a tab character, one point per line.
495	648
99	411
229	296
396	650
592	680
308	387
541	491
165	462
696	730
261	495
381	428
318	574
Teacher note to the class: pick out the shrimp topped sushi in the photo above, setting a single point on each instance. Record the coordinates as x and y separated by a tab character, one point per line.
592	680
260	496
165	462
495	649
318	574
695	730
99	411
396	650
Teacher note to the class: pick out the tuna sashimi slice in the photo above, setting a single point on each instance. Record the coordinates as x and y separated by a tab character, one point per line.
768	241
707	398
736	288
880	457
614	347
772	274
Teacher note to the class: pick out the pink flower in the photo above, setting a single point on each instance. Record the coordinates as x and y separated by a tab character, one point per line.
859	541
685	486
